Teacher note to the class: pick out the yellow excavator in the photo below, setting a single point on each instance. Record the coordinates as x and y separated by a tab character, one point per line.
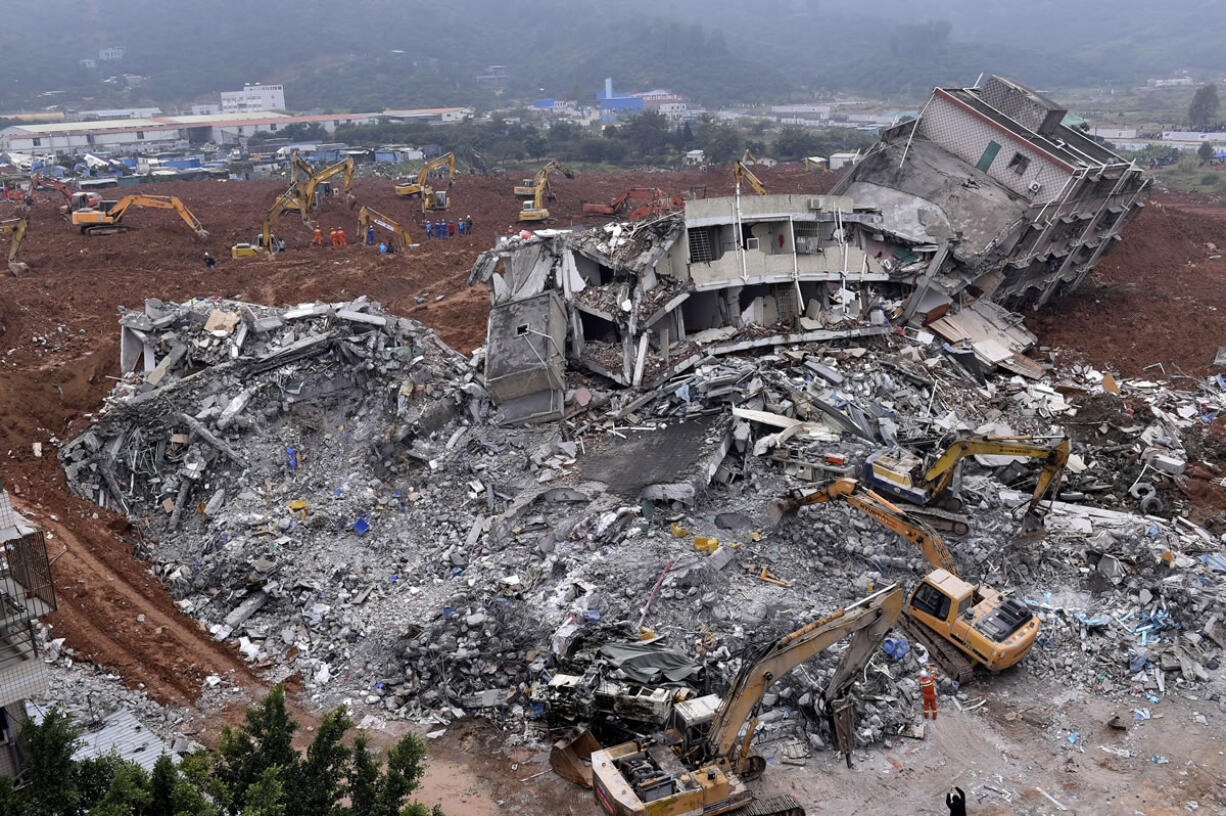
702	763
367	216
306	194
431	199
533	209
903	475
15	227
962	625
106	217
741	172
266	242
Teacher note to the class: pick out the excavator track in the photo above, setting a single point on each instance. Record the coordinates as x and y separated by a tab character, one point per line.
774	806
952	662
943	520
103	229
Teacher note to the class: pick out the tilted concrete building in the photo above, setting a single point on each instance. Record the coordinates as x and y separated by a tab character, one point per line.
1026	204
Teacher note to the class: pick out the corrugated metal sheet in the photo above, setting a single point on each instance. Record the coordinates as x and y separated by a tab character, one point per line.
120	733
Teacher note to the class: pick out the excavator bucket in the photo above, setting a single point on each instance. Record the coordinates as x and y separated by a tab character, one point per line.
18	268
571	756
779	509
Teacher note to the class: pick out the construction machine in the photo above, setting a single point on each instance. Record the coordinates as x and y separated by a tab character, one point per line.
741	172
39	182
16	227
367	216
305	195
266	242
431	199
106	217
528	187
961	625
901	474
654	202
703	762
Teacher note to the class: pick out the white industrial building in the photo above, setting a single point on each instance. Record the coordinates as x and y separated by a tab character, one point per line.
253	98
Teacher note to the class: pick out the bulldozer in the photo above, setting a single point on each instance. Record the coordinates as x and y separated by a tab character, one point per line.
962	625
702	763
902	475
106	217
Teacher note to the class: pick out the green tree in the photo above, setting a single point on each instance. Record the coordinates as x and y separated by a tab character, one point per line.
721	143
319	785
406	764
1206	152
264	740
795	142
94	776
49	768
1205	106
129	794
363	778
162	787
647	133
12	803
267	796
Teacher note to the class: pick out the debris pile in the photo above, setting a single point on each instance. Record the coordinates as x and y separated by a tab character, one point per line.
328	493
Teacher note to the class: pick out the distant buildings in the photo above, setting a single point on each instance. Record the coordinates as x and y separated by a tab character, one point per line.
254	98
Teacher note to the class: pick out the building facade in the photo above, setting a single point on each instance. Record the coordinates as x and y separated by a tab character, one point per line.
1026	204
253	98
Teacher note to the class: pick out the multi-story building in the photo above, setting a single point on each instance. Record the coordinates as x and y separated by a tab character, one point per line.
1024	204
26	593
254	98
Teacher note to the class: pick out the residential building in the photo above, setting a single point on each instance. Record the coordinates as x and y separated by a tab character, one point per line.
253	98
110	54
496	78
27	593
1024	205
116	113
613	301
206	109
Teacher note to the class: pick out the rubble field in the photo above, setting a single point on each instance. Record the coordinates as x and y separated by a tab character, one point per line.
303	482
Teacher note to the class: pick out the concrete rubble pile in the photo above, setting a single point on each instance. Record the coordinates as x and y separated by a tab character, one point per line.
328	493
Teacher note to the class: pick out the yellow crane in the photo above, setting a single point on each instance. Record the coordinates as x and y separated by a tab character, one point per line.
703	764
15	227
528	187
431	199
367	216
106	217
962	625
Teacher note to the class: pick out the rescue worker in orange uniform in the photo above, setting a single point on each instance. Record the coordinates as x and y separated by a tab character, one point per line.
318	240
927	685
332	236
340	236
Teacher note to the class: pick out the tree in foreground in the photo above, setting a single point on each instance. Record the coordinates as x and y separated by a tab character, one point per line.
254	771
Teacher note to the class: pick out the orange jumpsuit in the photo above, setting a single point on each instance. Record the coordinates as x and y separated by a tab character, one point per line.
318	240
341	240
928	687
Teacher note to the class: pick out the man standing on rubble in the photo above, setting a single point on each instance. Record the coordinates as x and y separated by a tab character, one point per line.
340	237
468	225
429	229
208	261
318	240
370	235
928	687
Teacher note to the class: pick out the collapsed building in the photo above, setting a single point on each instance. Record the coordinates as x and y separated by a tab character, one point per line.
986	203
1026	204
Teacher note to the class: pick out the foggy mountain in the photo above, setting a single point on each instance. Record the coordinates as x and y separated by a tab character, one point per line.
370	54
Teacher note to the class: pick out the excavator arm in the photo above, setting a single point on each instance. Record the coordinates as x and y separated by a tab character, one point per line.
346	167
938	477
16	228
743	173
875	507
868	620
107	220
367	216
